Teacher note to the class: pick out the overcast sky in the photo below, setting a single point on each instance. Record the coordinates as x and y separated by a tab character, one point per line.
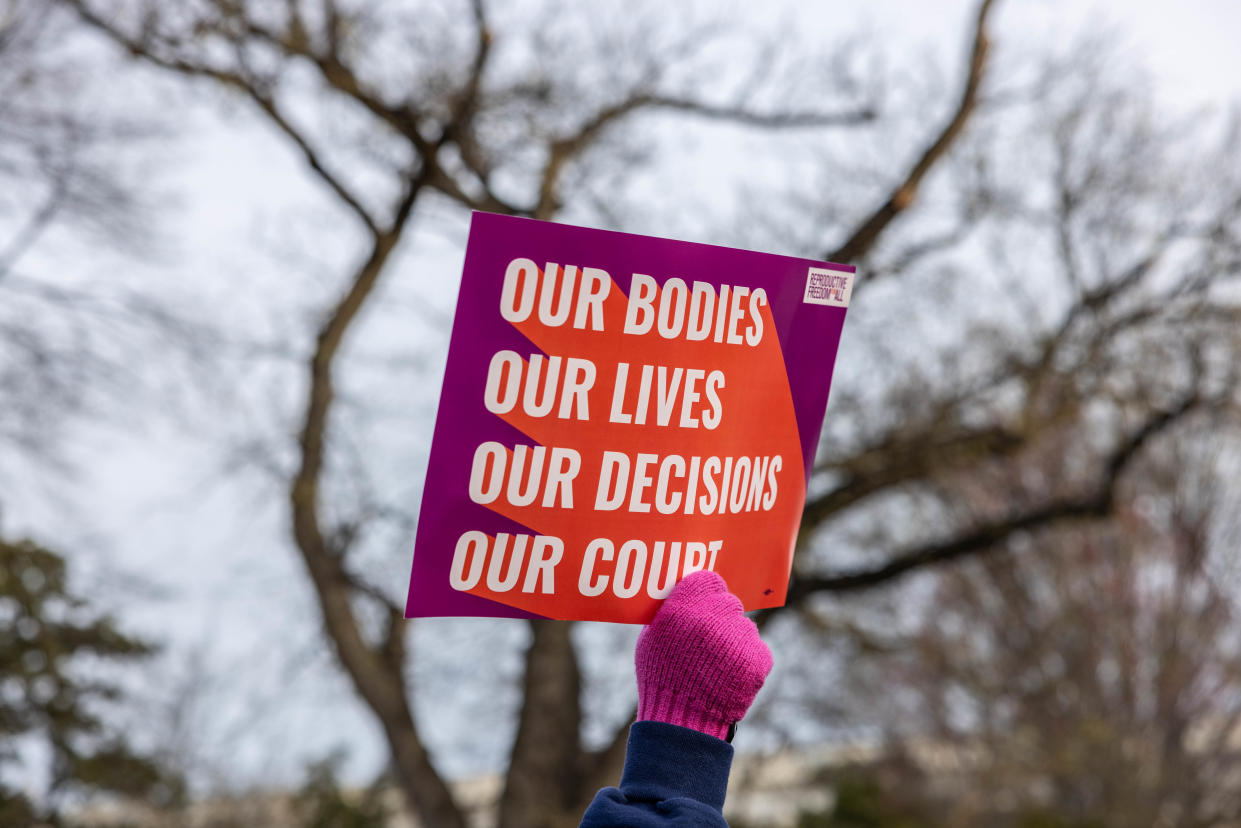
1190	45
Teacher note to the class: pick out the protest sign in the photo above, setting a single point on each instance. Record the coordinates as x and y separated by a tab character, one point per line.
619	411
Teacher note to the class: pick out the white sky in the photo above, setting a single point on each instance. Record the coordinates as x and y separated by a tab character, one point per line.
149	501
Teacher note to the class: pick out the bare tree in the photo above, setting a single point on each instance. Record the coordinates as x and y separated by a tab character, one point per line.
444	131
53	149
1088	675
68	341
1113	248
1079	217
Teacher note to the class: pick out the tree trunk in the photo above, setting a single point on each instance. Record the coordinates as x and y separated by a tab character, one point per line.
543	789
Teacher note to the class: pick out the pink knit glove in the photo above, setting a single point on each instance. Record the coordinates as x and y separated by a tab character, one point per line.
700	662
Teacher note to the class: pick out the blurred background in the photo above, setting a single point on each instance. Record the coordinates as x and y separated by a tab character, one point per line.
230	241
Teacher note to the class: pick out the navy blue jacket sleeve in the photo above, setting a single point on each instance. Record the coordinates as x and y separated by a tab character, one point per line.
674	776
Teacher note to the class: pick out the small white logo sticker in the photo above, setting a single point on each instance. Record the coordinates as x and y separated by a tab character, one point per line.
825	286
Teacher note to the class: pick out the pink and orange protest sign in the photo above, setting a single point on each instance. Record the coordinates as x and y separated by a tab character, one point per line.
617	412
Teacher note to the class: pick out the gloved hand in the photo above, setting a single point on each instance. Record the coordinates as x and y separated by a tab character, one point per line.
700	662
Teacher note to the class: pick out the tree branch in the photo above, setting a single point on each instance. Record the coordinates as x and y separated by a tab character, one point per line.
906	458
405	118
902	196
466	104
767	120
563	150
31	231
234	80
1097	504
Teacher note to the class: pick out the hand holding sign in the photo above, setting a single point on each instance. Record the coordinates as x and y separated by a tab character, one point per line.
616	418
700	662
